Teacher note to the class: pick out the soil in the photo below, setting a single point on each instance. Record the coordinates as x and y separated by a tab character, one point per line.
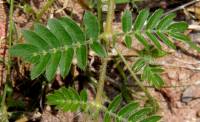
178	99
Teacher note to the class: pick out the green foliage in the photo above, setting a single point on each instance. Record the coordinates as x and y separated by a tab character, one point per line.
126	1
69	100
93	32
150	71
126	27
54	47
156	28
51	48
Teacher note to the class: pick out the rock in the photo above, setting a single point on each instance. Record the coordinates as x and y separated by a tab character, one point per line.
172	74
184	75
190	93
198	113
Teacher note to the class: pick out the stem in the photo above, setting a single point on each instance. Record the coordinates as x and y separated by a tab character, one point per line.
10	35
99	13
43	10
137	80
100	86
107	31
110	16
4	114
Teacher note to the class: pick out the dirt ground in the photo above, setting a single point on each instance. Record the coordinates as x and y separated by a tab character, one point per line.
179	99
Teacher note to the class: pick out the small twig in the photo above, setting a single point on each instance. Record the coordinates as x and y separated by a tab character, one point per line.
181	7
139	83
43	10
194	27
3	113
99	11
168	86
11	24
175	66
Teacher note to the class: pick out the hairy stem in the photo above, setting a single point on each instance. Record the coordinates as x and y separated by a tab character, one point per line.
10	38
43	10
107	31
151	99
3	108
99	14
101	81
110	15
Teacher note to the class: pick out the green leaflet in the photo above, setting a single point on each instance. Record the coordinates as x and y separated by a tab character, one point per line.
152	119
23	50
83	95
84	98
153	20
40	67
165	39
52	66
184	38
165	22
141	113
91	25
92	30
178	26
152	75
34	39
128	41
156	69
180	37
59	32
113	107
138	65
154	40
47	36
127	110
142	40
127	21
74	96
66	61
82	56
140	20
157	81
127	26
73	29
98	49
122	1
